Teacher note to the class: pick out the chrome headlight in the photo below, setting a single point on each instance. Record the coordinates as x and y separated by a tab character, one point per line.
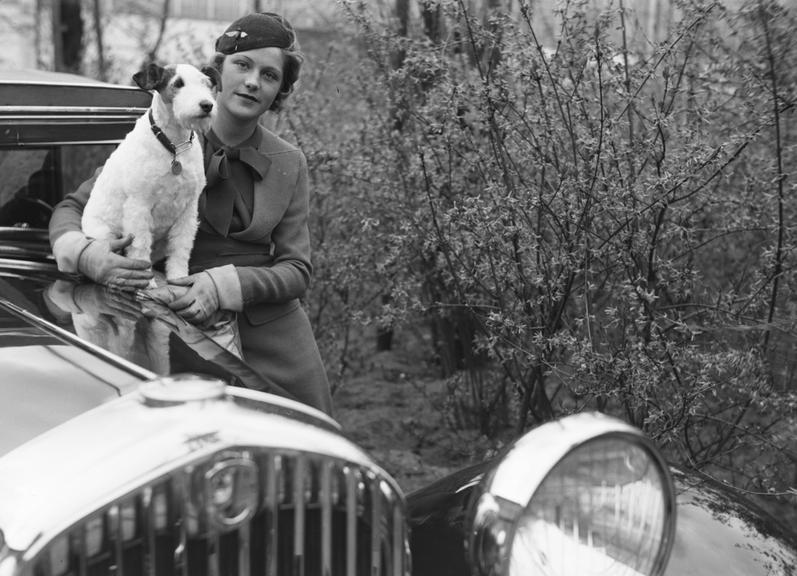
581	496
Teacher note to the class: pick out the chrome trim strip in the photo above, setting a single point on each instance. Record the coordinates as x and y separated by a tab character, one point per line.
43	142
47	265
253	399
89	82
45	112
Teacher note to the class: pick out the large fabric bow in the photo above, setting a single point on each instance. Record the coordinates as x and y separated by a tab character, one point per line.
221	196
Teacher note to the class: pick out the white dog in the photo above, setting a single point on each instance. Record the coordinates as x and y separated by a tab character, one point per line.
150	185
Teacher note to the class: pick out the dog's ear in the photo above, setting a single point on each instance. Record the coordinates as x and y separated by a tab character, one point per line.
151	77
213	73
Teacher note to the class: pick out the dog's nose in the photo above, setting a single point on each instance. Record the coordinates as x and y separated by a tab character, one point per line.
206	106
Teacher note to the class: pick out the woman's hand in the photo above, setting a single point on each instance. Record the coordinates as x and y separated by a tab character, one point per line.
100	301
94	300
200	304
103	262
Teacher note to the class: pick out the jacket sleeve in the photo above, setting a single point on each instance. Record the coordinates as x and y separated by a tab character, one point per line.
289	275
66	237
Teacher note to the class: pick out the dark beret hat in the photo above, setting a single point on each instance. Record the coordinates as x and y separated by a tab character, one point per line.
257	30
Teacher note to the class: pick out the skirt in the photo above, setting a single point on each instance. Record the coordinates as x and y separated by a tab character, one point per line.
284	351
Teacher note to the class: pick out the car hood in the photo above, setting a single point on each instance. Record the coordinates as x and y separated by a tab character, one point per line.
50	382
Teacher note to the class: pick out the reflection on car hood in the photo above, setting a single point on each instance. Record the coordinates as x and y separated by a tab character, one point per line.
719	533
46	382
50	375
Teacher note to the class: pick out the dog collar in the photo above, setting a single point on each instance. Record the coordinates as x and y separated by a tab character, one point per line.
169	145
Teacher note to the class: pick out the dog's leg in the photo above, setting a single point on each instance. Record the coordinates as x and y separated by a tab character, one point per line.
137	220
96	228
180	243
156	344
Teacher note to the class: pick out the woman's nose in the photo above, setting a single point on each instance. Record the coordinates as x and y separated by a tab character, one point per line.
251	80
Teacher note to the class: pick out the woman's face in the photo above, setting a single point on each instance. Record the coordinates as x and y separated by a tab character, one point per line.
250	81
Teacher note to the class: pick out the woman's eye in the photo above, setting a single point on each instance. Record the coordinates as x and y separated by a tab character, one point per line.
241	65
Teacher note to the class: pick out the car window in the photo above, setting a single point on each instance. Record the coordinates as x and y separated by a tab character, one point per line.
35	179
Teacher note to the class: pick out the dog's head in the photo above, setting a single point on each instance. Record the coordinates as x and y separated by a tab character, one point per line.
188	92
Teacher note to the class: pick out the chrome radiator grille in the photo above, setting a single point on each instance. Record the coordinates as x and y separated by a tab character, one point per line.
242	512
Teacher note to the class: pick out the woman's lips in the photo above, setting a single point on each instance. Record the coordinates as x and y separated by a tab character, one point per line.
247	97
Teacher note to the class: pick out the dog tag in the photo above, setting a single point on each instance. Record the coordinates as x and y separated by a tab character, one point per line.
176	167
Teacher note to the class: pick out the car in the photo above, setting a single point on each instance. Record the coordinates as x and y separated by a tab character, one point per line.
161	452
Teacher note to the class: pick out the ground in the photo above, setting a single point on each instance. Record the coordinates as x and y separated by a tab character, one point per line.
395	410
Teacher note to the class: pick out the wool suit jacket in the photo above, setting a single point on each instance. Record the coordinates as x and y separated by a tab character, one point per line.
264	282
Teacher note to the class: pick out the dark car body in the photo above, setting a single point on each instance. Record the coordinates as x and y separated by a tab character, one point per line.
112	462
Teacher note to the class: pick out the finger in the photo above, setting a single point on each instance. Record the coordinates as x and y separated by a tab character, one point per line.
132	274
128	284
184	281
124	304
159	295
117	244
191	315
183	302
126	263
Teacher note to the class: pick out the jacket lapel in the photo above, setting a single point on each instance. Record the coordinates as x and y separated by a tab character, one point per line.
258	227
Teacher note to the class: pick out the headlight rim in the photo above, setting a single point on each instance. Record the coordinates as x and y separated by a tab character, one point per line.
498	501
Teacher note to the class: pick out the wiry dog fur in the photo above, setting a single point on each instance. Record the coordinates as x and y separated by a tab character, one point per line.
137	193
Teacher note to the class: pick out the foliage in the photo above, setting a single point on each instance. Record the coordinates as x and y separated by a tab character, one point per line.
582	222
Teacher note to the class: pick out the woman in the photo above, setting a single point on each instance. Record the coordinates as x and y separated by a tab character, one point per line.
252	251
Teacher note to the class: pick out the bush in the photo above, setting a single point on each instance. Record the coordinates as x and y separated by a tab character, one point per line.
585	224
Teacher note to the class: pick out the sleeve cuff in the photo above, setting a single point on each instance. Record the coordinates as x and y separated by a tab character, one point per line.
228	287
67	250
62	294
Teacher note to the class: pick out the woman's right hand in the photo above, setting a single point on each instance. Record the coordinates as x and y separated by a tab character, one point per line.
103	261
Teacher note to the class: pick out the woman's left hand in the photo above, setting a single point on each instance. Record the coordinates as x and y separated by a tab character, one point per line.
200	304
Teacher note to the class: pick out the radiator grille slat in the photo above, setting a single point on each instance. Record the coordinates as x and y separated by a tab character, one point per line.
376	526
312	515
325	497
272	513
352	481
299	499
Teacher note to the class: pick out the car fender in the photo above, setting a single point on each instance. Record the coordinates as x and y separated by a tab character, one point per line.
717	531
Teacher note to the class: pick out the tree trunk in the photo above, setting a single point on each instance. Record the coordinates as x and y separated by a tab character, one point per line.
67	36
152	55
98	40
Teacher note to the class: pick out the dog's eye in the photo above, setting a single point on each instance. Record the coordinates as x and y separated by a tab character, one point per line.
178	83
